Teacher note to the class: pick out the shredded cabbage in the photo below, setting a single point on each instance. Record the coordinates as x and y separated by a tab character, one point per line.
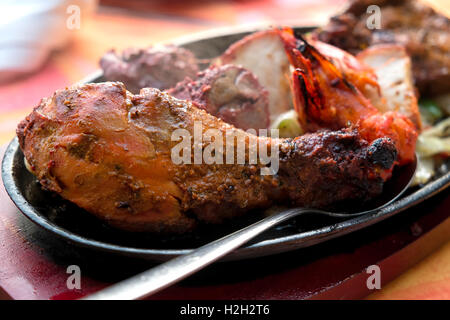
431	142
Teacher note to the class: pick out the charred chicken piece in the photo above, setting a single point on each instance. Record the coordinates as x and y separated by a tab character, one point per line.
392	66
159	67
263	54
230	93
424	33
109	152
329	83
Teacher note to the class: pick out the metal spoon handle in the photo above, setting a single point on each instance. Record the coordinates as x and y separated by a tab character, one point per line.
166	274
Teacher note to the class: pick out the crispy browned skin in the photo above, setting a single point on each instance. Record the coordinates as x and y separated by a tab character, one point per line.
109	152
424	33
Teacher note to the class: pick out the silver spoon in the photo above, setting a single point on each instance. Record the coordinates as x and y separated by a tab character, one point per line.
168	273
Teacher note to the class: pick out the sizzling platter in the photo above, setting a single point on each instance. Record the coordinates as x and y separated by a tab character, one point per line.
72	223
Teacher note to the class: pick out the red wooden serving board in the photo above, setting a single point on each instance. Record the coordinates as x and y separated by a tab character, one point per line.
33	262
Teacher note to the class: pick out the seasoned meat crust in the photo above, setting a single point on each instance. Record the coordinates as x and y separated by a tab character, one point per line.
159	67
109	152
230	93
424	33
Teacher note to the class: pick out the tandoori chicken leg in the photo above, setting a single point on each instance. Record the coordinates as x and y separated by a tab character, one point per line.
111	153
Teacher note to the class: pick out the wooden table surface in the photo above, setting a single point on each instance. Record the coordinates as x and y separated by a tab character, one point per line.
29	268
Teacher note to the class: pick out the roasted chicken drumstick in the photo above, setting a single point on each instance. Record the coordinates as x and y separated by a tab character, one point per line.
109	152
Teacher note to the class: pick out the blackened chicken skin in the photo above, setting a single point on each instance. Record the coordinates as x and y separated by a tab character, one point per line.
109	152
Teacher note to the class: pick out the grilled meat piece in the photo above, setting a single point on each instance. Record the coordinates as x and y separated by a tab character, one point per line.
424	33
109	152
328	85
230	93
159	67
263	54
